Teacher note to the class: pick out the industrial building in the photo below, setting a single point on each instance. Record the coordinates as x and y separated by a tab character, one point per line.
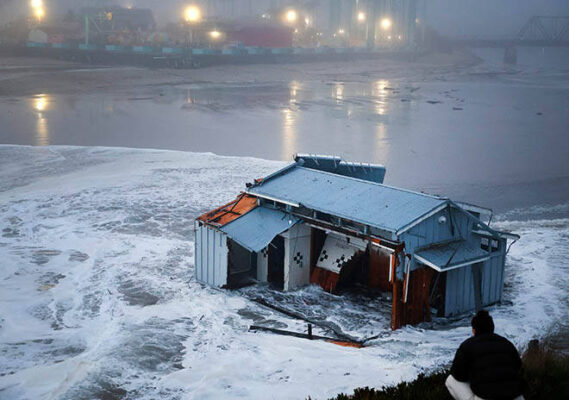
325	221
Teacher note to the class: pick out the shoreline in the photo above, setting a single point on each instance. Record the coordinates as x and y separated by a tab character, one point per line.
27	76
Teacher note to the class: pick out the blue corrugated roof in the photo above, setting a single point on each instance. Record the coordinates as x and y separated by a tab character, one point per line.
452	255
361	201
256	229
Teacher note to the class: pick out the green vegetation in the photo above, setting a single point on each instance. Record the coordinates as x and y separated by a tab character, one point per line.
546	374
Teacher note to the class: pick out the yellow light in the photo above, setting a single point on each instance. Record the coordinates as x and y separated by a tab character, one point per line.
385	24
361	16
215	34
40	13
192	14
37	3
41	102
307	21
341	31
389	37
291	16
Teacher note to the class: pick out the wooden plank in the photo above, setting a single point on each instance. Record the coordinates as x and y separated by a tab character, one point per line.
379	270
326	279
308	336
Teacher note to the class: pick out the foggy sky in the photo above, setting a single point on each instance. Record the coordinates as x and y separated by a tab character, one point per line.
488	18
457	18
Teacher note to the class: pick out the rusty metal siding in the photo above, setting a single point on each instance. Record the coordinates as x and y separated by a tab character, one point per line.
210	256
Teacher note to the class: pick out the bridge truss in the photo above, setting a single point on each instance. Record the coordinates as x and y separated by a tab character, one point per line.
545	29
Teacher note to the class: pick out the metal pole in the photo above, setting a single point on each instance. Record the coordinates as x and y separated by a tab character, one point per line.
86	30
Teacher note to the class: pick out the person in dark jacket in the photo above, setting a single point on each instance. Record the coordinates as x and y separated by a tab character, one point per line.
486	366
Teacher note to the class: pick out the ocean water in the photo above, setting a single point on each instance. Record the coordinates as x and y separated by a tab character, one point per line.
491	134
98	297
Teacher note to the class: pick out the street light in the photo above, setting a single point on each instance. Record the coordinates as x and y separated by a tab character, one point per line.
291	16
40	13
215	35
37	6
385	24
192	14
361	16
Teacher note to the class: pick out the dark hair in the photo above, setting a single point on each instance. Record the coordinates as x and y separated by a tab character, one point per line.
482	323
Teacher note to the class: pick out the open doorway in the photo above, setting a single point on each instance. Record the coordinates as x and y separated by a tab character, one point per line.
437	294
275	273
242	265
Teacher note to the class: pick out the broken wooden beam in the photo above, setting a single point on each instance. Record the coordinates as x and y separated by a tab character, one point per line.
308	336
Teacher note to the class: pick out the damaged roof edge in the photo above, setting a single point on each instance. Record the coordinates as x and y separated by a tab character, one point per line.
281	171
230	211
333	164
256	229
263	196
484	225
298	156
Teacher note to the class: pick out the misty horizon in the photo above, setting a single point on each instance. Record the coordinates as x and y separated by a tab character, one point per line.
454	19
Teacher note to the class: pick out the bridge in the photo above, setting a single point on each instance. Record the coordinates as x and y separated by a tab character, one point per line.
540	31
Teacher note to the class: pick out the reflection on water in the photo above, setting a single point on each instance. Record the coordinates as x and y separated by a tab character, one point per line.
338	92
430	135
289	140
40	104
382	144
381	92
294	88
42	132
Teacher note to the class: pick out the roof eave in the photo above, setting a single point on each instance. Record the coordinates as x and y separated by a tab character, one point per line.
422	218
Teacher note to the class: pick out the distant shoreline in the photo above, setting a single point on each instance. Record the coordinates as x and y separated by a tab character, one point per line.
26	76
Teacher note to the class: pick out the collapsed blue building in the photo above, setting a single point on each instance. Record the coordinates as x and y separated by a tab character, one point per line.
325	221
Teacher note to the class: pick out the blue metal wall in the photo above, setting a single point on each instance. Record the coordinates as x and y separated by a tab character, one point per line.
432	231
459	282
460	286
210	256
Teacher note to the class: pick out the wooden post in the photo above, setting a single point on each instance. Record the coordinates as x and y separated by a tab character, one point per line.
397	305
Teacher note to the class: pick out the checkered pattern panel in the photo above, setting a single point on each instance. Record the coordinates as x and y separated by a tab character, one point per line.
298	259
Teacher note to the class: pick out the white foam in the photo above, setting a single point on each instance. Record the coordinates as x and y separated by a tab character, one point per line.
97	289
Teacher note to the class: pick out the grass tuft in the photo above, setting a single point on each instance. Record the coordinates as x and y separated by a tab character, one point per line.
546	374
